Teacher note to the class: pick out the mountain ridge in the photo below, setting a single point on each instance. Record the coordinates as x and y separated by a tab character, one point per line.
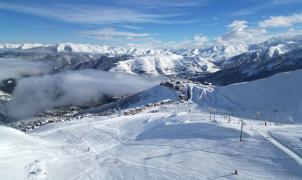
213	64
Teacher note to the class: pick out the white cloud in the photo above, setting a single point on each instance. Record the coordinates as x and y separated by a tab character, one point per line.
197	41
282	2
288	33
113	34
200	40
281	21
39	93
131	27
17	68
91	14
253	6
251	9
238	25
143	40
241	33
163	3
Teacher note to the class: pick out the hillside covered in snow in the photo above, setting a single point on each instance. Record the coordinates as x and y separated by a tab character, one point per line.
72	111
150	90
156	144
219	64
276	98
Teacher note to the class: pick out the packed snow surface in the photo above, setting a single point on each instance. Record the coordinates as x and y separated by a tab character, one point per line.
172	142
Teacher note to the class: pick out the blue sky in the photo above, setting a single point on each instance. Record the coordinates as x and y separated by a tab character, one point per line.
148	23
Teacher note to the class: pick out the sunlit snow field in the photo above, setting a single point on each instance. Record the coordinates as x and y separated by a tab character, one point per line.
170	142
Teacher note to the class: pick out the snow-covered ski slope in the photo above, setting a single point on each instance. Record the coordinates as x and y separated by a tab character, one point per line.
167	142
276	98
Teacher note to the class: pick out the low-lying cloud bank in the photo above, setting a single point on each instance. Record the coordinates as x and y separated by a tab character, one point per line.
37	94
17	68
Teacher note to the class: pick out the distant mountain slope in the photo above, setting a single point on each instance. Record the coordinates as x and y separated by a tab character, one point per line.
165	64
215	54
153	95
84	48
150	63
256	65
277	98
219	64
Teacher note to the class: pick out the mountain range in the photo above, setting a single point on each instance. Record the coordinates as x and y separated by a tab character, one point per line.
219	64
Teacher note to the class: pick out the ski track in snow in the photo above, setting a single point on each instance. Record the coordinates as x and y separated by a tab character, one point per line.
99	148
267	135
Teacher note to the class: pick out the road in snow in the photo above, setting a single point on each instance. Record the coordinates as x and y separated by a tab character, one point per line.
161	144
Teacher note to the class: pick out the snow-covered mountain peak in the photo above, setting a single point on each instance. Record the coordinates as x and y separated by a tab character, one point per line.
85	48
182	62
226	51
31	46
216	53
277	50
9	46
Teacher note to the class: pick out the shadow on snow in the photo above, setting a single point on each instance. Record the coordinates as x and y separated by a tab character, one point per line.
189	130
